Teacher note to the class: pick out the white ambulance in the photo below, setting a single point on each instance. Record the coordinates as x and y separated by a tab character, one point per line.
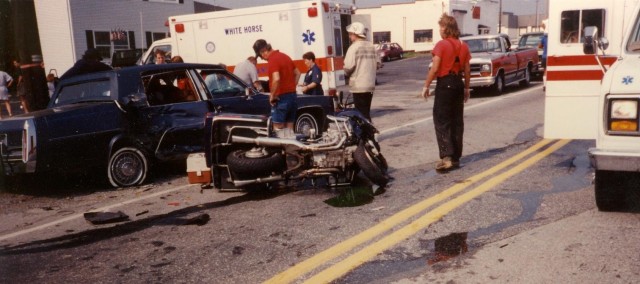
227	36
593	90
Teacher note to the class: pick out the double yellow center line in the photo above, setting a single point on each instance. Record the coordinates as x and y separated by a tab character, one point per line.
365	254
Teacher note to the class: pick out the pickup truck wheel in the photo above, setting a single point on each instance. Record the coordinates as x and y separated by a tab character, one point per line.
128	166
372	163
257	162
305	123
498	86
527	78
610	190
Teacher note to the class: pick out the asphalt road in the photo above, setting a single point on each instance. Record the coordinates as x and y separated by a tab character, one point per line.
520	209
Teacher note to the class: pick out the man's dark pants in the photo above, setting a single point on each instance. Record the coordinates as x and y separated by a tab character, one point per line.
448	110
362	102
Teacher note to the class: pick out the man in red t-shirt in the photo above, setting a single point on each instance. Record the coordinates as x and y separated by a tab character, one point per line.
283	79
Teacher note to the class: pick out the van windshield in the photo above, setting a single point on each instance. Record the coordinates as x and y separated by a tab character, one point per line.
633	45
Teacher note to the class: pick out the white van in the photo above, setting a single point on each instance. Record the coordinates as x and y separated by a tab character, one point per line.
294	28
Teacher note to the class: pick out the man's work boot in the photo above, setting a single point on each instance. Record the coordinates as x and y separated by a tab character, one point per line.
445	164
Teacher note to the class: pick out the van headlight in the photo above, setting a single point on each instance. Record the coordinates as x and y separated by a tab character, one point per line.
623	115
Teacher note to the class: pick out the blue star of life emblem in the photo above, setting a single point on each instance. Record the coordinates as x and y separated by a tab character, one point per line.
308	37
627	80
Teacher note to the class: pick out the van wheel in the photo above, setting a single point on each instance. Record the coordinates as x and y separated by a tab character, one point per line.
305	123
127	167
527	77
610	190
498	86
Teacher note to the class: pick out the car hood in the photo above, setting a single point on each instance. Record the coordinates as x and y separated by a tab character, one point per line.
482	57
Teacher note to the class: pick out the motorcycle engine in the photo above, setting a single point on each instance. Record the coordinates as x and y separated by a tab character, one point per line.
339	158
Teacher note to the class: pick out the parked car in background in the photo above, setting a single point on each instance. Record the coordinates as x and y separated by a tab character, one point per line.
495	64
532	40
389	50
120	122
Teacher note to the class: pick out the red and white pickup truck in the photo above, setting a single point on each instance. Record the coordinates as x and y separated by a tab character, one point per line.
494	64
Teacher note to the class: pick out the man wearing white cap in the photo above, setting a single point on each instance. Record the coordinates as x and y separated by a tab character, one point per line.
360	65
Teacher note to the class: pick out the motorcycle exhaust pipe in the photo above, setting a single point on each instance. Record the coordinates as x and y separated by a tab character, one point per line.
335	144
258	180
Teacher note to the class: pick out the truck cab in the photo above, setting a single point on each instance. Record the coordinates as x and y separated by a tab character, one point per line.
616	157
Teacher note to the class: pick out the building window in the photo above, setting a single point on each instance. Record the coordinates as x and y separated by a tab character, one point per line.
522	30
379	37
153	36
103	43
422	36
574	21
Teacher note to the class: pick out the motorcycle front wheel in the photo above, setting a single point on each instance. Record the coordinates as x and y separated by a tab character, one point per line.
372	163
255	163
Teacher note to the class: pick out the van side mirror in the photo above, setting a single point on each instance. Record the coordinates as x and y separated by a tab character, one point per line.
590	38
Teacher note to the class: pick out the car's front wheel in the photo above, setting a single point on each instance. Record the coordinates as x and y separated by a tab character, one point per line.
128	166
305	123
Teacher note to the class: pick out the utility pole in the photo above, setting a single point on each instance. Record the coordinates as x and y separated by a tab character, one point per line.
500	17
537	20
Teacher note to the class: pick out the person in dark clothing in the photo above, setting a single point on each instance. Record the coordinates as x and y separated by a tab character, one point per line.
89	63
34	79
313	78
451	67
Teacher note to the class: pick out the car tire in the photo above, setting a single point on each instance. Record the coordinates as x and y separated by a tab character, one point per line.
498	86
610	190
252	166
128	166
371	162
527	77
304	123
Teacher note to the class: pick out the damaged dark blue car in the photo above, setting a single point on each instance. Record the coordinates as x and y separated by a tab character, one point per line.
120	122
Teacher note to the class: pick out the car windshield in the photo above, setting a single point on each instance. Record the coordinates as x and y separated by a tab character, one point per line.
483	45
84	92
222	84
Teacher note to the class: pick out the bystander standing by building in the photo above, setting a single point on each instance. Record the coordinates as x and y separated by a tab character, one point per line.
5	82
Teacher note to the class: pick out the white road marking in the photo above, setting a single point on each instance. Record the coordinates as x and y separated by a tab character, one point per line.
392	129
81	215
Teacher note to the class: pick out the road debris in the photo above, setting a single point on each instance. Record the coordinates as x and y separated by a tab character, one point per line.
97	218
142	213
198	220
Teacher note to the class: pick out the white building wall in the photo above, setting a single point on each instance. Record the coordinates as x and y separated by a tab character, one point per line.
56	39
403	19
62	24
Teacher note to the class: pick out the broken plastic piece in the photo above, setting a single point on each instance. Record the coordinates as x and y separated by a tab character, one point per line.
97	218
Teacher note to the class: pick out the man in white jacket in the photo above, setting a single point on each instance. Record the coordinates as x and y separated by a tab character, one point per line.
360	65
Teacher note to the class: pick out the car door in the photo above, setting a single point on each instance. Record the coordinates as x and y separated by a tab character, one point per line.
171	126
79	125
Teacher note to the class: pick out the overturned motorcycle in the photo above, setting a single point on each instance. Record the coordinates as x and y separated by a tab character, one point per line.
244	152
